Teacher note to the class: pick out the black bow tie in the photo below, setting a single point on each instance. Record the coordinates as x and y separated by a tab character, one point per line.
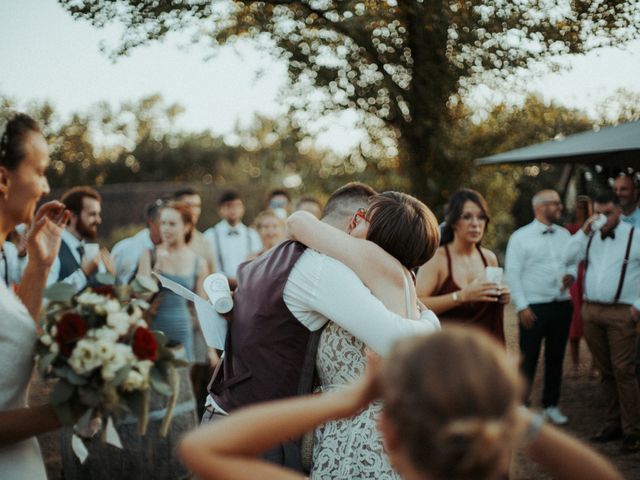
549	230
611	234
233	232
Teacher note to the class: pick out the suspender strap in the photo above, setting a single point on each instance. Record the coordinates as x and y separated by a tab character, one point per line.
586	259
307	375
218	251
625	262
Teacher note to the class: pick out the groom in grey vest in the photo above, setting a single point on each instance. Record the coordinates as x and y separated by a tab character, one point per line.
281	298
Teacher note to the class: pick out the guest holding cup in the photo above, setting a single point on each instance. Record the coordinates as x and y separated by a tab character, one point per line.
462	283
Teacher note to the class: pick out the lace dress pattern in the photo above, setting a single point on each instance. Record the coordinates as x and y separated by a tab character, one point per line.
349	448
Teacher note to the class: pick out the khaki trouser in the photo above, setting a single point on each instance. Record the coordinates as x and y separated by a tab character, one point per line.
611	335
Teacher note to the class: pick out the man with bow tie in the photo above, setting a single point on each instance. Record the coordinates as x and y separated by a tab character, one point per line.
231	240
539	278
611	312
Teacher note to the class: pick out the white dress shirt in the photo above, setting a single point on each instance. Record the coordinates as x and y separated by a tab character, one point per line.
232	245
535	264
605	265
77	278
127	252
633	219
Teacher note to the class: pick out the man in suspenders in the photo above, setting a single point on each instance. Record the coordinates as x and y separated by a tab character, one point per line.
610	313
231	240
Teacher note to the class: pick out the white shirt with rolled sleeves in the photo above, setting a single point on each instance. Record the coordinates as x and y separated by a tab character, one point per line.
535	264
321	288
605	265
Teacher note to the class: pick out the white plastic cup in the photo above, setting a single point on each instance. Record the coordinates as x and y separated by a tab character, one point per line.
493	274
217	288
598	223
91	251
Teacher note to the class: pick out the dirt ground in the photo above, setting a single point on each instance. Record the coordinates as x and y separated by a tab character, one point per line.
581	402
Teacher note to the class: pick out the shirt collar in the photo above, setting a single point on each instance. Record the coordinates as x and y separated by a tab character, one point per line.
225	227
71	241
541	227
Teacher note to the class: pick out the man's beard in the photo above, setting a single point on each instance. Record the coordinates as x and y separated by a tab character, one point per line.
86	231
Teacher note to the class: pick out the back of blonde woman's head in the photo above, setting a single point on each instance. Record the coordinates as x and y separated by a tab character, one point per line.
451	398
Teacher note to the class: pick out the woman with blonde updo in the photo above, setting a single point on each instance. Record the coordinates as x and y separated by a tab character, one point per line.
451	411
271	228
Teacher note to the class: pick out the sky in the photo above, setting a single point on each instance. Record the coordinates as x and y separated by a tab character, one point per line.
46	55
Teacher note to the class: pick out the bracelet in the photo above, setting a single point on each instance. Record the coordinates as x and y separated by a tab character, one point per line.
535	425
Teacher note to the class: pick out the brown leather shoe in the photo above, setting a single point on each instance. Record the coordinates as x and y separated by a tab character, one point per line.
608	434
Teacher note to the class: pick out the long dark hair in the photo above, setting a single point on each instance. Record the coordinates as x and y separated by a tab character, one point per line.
453	211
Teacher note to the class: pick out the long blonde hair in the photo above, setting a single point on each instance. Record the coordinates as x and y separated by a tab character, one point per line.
452	399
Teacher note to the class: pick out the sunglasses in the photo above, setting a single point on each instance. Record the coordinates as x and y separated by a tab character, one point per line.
362	214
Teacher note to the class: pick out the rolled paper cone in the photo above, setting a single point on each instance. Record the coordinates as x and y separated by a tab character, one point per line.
217	287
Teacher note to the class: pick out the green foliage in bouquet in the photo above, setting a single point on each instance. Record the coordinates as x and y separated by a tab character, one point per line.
105	358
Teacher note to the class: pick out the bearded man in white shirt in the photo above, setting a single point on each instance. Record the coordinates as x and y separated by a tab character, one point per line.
610	312
539	279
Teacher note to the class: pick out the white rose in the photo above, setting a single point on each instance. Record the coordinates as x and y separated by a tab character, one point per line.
84	357
54	331
135	381
119	321
112	306
54	348
46	340
105	334
105	350
90	298
109	371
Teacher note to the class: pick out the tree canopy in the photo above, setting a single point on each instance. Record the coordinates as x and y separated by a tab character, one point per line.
401	63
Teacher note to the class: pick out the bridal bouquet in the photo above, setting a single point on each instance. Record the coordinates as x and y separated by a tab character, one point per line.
106	360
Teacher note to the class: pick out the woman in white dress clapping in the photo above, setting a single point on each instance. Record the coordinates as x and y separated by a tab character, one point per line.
24	159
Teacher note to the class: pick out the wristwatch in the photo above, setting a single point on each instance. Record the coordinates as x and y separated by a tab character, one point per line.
455	297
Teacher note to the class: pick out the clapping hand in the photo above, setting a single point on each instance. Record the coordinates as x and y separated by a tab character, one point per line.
43	238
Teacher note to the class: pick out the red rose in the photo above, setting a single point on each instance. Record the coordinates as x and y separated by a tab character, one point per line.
105	290
71	328
144	344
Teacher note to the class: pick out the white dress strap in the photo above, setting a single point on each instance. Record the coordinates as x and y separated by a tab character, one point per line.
407	294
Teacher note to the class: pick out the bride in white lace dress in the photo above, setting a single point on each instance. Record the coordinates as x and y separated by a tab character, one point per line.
394	235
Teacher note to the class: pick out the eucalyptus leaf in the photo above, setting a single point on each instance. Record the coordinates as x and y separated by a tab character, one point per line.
161	339
121	375
61	393
105	278
159	382
68	374
45	362
144	283
85	420
60	292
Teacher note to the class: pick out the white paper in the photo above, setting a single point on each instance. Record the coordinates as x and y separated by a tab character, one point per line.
213	326
112	436
494	274
175	287
78	448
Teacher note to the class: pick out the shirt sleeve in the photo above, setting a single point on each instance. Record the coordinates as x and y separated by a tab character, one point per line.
513	265
342	297
576	248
